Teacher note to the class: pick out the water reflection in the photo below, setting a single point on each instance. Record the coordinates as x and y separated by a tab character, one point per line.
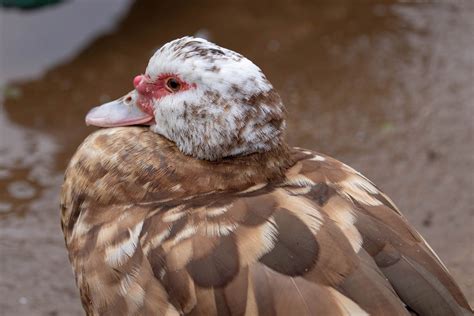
33	41
26	165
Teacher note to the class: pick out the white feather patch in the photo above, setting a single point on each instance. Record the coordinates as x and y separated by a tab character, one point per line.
185	233
217	211
317	158
117	254
303	208
135	297
359	188
81	228
156	241
299	180
219	229
174	214
254	188
106	234
346	305
341	213
254	242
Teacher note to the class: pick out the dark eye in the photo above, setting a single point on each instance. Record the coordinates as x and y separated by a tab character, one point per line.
173	84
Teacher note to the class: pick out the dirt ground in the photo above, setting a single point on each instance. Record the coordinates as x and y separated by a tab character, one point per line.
385	87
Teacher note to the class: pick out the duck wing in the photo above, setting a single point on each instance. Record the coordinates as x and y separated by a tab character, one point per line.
322	241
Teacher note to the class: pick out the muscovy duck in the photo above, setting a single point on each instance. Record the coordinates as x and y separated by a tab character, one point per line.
206	210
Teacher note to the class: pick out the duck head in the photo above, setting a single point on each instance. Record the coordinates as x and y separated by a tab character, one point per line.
210	101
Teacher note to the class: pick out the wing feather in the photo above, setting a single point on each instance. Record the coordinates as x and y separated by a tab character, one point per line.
324	241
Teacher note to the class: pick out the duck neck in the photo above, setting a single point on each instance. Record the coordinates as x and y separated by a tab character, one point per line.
261	166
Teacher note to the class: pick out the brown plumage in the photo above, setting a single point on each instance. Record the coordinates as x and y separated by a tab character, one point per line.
286	231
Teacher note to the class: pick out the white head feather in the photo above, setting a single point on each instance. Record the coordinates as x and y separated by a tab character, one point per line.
232	109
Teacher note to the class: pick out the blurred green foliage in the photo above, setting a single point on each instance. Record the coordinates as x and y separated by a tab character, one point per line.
27	4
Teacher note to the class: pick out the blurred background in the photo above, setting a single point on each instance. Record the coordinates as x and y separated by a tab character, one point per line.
385	86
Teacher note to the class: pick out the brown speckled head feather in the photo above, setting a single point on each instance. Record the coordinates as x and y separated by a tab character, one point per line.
151	231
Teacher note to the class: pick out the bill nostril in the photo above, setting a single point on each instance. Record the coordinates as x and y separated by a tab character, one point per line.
137	80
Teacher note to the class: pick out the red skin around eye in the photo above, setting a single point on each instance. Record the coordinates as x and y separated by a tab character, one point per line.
149	90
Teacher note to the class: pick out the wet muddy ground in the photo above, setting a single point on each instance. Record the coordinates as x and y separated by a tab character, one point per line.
385	87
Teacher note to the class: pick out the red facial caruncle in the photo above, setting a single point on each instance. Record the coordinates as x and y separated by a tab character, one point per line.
150	90
137	106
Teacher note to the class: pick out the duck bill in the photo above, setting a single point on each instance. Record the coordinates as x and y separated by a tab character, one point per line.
121	112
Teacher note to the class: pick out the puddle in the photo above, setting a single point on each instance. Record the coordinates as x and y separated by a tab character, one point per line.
386	87
26	165
33	41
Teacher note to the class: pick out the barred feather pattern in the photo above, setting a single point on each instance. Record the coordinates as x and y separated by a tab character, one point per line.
151	231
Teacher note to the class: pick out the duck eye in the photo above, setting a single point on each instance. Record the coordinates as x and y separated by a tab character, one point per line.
173	84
